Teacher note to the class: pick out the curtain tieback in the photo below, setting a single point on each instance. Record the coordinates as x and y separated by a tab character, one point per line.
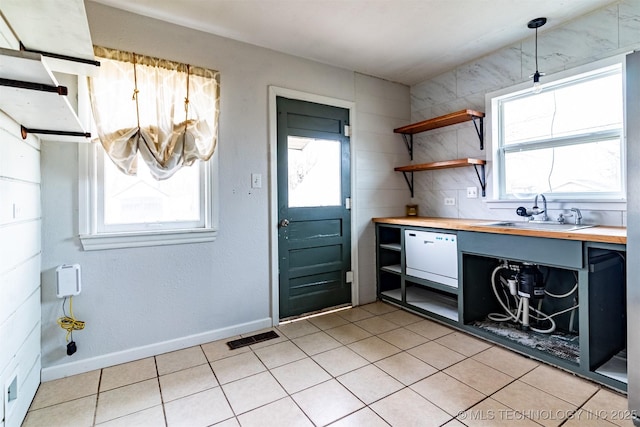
186	110
136	91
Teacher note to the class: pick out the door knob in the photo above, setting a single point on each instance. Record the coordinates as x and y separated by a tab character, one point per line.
284	223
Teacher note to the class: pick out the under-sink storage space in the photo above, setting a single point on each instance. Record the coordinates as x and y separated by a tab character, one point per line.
530	306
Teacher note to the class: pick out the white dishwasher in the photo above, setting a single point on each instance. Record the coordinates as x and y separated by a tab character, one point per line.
432	256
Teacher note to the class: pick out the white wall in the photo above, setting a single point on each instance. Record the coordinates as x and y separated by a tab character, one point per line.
20	216
606	32
139	301
380	191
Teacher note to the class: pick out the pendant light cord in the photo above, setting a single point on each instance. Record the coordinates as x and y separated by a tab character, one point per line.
536	49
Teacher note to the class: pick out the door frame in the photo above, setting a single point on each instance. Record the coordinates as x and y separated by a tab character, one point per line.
274	92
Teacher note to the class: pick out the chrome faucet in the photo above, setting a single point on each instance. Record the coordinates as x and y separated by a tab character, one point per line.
578	215
537	211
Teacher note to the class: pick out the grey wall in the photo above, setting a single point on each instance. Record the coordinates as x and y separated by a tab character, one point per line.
138	301
606	32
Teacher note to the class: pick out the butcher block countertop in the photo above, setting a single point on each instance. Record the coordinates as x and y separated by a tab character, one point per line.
602	234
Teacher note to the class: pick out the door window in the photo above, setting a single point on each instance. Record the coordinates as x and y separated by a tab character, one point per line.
314	172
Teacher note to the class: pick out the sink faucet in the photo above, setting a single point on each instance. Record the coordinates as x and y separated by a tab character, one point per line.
529	213
578	215
537	211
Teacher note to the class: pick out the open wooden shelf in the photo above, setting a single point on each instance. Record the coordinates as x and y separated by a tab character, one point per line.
458	163
461	116
445	164
438	122
30	95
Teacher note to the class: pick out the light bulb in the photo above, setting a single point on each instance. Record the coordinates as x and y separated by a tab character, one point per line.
537	87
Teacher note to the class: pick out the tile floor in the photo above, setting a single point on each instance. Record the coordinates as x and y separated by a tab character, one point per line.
371	366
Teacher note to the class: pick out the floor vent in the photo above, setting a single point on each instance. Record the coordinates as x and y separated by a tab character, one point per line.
253	339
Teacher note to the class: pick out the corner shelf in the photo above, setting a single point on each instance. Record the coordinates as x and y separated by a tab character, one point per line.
437	122
30	95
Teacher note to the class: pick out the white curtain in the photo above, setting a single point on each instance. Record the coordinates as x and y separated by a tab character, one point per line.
174	121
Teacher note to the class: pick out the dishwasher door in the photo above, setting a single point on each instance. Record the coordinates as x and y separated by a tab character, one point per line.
432	256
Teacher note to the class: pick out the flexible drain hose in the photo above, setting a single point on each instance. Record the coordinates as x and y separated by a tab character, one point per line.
510	315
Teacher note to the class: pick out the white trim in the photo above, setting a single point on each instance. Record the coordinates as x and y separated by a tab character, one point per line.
491	128
600	205
274	92
94	242
72	368
87	218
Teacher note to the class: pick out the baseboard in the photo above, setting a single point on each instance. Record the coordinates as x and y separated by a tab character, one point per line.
81	366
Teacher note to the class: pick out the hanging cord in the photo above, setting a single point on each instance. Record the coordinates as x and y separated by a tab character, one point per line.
536	49
186	112
69	323
135	90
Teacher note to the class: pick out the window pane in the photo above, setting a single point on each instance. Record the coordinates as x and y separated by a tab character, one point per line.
585	168
581	108
141	199
314	172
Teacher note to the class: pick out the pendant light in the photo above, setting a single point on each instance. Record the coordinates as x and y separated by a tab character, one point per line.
536	23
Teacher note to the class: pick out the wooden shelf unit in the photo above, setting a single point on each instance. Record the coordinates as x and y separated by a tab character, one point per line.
439	122
461	116
446	164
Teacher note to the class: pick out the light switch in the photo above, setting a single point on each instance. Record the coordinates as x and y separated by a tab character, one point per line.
256	180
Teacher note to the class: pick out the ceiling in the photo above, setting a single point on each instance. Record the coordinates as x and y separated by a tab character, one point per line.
406	41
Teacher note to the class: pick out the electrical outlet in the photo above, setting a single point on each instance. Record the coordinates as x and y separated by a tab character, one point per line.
472	192
449	201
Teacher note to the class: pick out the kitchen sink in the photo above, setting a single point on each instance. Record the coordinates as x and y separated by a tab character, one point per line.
536	225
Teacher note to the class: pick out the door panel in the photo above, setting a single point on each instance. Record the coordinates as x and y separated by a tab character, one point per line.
313	183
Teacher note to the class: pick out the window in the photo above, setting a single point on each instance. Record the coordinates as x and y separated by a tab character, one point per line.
119	211
150	178
566	142
140	202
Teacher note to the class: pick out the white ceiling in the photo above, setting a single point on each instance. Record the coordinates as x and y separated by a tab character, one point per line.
406	41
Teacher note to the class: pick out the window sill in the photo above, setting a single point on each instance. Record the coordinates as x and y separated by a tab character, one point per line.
95	242
606	205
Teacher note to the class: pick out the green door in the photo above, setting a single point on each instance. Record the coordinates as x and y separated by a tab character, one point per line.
314	222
